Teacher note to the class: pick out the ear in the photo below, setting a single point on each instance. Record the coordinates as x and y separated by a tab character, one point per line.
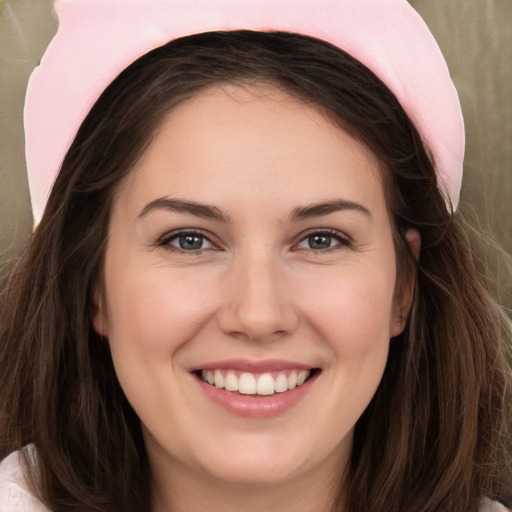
405	287
99	316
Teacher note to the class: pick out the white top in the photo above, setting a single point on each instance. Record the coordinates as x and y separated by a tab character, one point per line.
16	497
14	493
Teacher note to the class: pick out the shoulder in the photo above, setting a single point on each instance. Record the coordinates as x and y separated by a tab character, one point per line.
487	505
14	493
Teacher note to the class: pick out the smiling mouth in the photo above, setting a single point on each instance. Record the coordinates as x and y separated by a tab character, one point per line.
264	384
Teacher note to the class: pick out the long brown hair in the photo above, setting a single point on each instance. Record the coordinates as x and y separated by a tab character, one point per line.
437	434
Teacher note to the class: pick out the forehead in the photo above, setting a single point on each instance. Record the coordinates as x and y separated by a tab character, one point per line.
258	140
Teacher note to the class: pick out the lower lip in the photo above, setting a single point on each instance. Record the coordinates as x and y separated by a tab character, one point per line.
256	406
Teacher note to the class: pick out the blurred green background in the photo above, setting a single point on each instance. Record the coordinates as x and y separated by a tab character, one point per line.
476	39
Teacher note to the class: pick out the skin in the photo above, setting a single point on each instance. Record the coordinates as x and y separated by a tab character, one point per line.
256	290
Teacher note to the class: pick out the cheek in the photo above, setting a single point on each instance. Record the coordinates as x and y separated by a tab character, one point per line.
348	314
352	309
156	310
152	314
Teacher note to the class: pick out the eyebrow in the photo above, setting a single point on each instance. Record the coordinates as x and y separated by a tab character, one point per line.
327	207
212	212
181	206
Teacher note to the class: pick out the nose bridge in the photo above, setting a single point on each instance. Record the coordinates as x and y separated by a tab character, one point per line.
258	304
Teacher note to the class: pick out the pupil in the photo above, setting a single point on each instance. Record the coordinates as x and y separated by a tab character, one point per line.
319	241
191	242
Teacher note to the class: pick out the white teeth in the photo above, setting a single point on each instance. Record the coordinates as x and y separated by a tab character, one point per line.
281	383
210	378
292	380
231	382
249	384
219	379
301	378
265	385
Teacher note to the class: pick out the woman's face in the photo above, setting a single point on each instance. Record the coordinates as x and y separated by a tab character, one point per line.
250	249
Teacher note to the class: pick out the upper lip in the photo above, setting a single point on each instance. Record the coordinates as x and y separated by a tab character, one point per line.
252	366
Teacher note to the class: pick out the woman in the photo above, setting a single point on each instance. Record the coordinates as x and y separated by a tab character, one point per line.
249	291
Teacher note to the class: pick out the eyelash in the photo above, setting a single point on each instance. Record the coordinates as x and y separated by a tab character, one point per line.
342	241
166	240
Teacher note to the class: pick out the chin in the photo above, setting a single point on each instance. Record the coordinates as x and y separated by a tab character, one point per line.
263	461
256	472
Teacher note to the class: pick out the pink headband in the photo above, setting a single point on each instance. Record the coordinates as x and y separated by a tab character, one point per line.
97	39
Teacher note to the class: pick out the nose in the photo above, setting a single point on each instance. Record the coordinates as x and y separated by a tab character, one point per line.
258	302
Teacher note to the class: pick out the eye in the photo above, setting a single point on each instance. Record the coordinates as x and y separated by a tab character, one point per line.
187	241
322	241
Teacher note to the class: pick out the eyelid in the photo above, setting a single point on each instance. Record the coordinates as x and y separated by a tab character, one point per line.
343	239
165	239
